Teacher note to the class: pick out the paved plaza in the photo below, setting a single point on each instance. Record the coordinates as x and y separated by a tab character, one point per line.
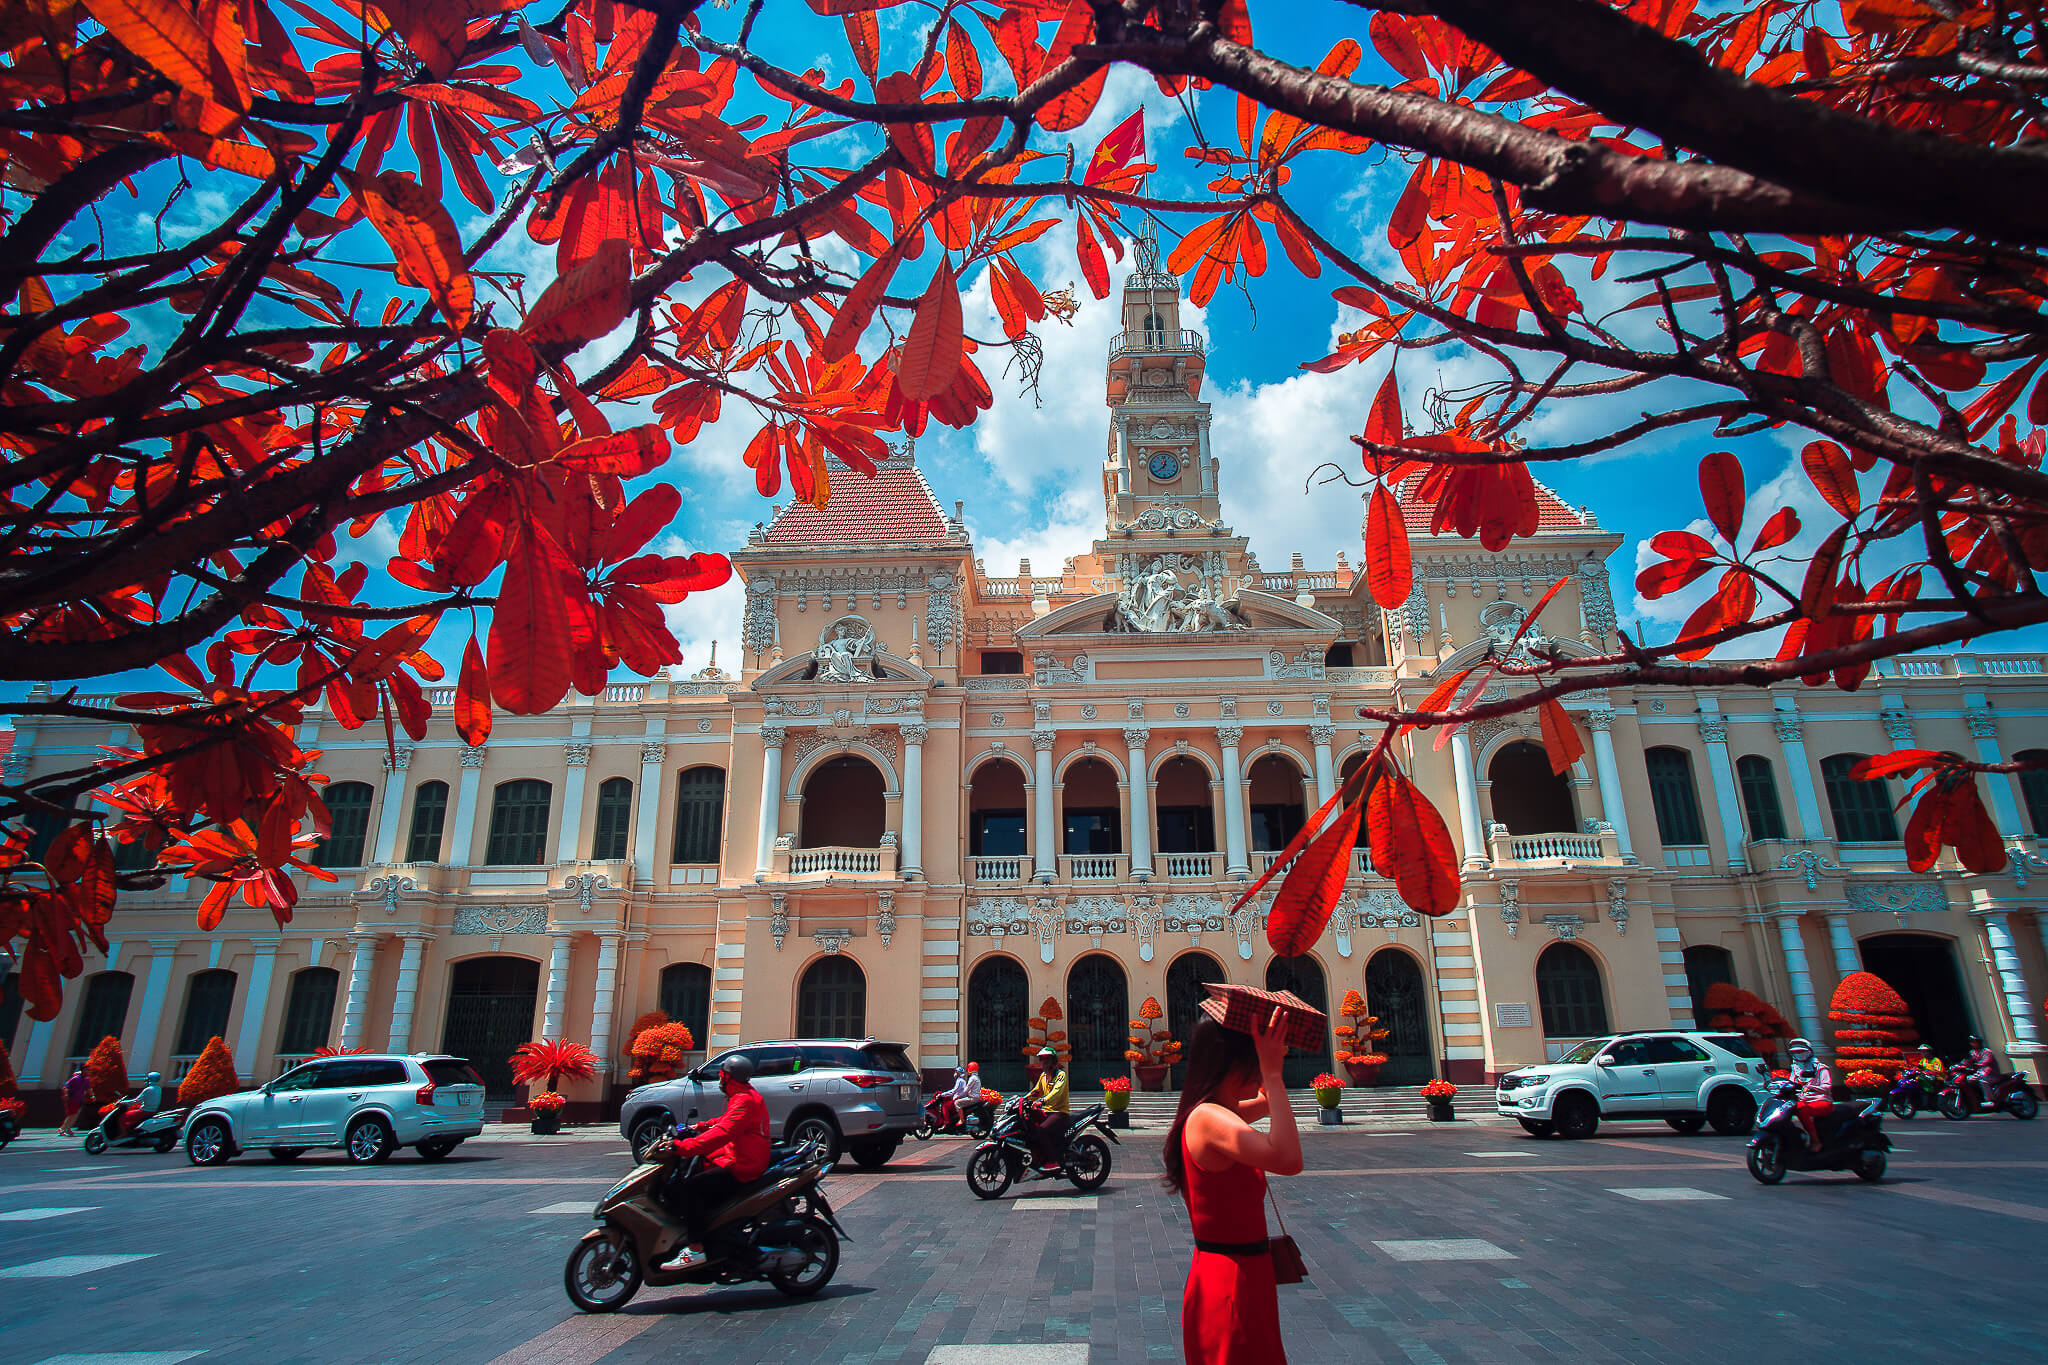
1449	1243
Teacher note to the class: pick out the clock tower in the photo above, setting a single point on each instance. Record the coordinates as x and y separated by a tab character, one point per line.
1158	475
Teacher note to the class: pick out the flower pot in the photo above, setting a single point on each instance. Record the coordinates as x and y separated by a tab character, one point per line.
1151	1077
547	1121
1120	1119
1117	1100
1364	1073
1440	1111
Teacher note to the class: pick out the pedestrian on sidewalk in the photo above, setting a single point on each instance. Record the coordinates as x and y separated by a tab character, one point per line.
76	1088
1217	1162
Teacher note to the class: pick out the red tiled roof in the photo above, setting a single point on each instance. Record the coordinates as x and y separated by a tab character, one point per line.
1552	512
895	507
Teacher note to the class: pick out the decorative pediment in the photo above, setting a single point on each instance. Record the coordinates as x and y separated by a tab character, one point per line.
880	669
1250	611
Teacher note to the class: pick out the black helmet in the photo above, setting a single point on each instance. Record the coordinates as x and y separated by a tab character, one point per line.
1976	1041
738	1067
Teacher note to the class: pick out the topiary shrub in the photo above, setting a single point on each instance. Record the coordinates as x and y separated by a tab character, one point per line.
1739	1011
213	1074
651	1019
1873	1029
107	1069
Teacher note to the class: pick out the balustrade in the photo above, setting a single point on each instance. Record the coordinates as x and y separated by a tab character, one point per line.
1003	869
1092	867
805	860
1190	865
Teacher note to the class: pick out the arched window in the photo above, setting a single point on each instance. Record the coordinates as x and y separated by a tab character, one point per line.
429	818
844	805
1863	809
1090	818
614	817
1568	988
348	810
1672	794
1706	966
308	1012
686	998
2034	789
1760	797
832	999
209	997
700	815
1155	331
1527	796
102	1012
519	823
1276	802
995	811
1187	820
1187	986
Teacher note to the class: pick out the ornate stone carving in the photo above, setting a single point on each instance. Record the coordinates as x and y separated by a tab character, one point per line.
1182	710
472	755
1276	708
1047	670
1137	736
1511	906
773	736
832	940
939	610
1810	865
1415	615
995	916
1322	734
1095	916
1617	903
758	629
885	916
1145	922
389	888
1307	664
1229	734
1789	727
1596	601
1600	718
1154	602
1714	729
1896	898
1381	910
1043	740
1045	922
399	759
704	726
1247	920
1564	926
1088	711
586	885
1196	915
1983	723
1897	725
653	752
778	917
846	651
501	919
914	734
996	718
577	753
1167	519
1591	826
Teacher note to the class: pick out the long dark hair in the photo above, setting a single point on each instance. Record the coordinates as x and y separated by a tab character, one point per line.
1214	1054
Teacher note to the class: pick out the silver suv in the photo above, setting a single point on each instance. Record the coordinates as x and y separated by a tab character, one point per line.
368	1104
853	1094
1687	1079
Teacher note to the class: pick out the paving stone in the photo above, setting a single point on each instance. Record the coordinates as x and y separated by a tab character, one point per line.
1662	1193
1445	1249
122	1358
37	1215
64	1267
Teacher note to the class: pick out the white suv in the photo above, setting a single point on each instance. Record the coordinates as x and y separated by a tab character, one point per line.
1687	1079
368	1104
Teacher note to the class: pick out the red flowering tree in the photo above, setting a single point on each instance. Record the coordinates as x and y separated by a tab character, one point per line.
1740	1011
658	1052
1873	1029
107	1070
651	1019
212	1075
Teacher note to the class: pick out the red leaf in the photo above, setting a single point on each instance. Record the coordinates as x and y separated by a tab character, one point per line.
587	300
1721	488
1783	525
1683	545
473	696
628	454
1383	422
1733	603
1412	845
858	308
1560	737
422	238
1093	268
1388	568
1313	883
1896	762
931	353
1827	465
532	638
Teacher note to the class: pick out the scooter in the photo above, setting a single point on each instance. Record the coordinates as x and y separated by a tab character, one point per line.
1851	1139
779	1229
1004	1158
159	1130
1912	1090
2010	1094
963	1123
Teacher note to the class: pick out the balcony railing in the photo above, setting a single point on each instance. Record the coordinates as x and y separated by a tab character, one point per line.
1092	867
180	1066
805	862
1002	869
1361	862
1194	866
1150	342
1558	848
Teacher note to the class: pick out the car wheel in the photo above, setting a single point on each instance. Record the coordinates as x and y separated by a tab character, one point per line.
1688	1124
1576	1117
1538	1127
369	1142
1870	1167
816	1130
286	1153
1732	1111
209	1143
434	1149
654	1128
870	1156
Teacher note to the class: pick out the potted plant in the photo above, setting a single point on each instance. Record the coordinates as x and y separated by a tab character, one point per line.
1439	1095
1867	1083
553	1061
1356	1053
1153	1050
1329	1092
547	1112
1116	1094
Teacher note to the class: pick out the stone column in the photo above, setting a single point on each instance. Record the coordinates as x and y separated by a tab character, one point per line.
772	738
912	849
390	817
653	764
256	1001
463	838
558	989
1239	860
603	999
569	840
1135	738
2012	985
1727	798
358	988
2005	812
1805	1008
1844	944
1607	772
1045	860
149	1017
1791	731
1323	736
406	992
34	1059
1468	799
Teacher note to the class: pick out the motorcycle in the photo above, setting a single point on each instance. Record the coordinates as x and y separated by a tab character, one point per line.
2010	1094
969	1119
159	1130
1912	1090
1004	1158
1851	1139
10	1124
779	1229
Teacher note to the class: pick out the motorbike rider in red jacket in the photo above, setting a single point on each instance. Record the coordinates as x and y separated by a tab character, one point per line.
735	1149
1816	1089
1981	1068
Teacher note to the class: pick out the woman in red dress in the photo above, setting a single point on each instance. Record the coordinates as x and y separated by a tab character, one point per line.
1216	1161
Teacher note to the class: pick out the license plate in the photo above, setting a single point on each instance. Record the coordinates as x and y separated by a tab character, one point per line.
904	1092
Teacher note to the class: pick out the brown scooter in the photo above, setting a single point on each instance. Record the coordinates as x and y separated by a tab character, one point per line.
778	1229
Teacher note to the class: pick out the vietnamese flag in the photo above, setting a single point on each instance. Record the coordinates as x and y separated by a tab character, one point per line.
1124	145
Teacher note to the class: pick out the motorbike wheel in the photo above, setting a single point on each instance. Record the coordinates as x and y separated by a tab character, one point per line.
2022	1105
988	1173
603	1274
923	1131
166	1141
95	1143
1870	1167
1767	1161
1954	1106
821	1245
1088	1162
1900	1106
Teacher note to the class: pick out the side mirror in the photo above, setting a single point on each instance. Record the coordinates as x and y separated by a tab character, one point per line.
1604	1059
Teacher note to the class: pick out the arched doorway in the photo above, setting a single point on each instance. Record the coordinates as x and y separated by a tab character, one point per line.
1187	982
1304	976
845	805
1098	1020
832	999
1527	797
996	1032
1569	992
490	1013
1923	970
1395	992
1706	967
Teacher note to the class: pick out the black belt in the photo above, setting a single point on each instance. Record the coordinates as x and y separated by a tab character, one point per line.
1258	1248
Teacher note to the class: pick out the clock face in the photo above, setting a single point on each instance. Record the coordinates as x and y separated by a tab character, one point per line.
1165	465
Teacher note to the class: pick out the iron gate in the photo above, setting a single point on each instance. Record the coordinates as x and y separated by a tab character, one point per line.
1186	988
1394	992
1303	976
996	1028
1098	1021
490	1013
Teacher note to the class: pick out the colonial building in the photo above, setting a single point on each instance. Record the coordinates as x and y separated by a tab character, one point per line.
934	794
